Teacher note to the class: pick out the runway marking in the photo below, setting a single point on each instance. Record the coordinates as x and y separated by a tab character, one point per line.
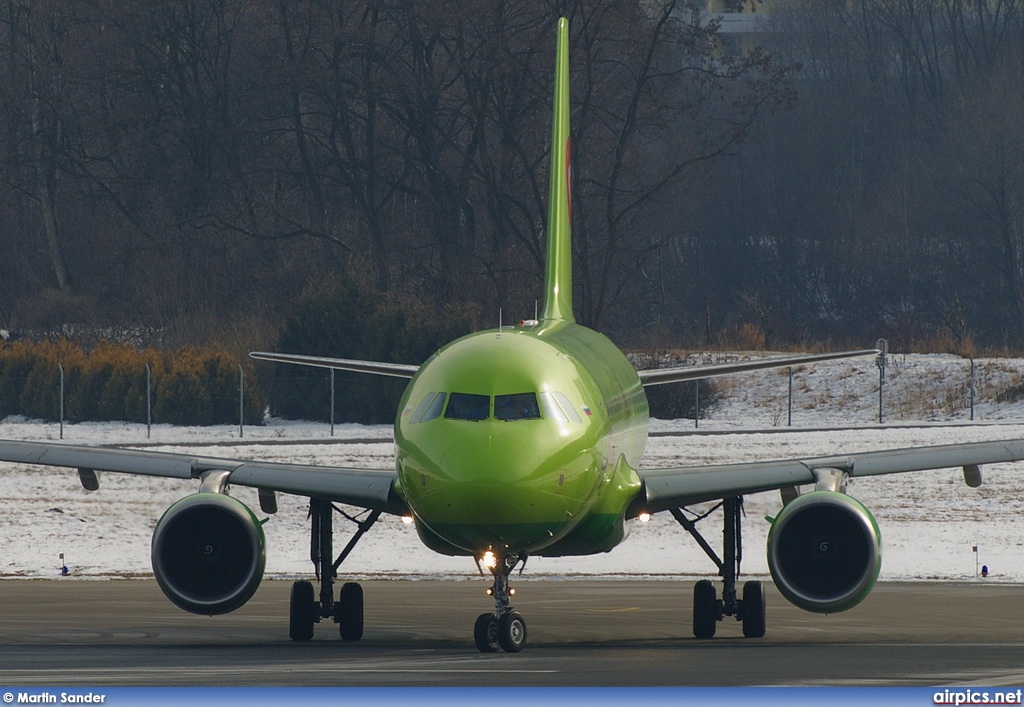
993	679
391	666
915	644
19	676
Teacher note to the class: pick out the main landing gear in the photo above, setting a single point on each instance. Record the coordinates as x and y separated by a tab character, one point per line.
505	629
708	609
347	612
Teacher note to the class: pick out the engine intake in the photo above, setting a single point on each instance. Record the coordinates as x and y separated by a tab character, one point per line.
824	551
209	553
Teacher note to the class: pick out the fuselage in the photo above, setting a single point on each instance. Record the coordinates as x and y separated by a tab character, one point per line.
524	440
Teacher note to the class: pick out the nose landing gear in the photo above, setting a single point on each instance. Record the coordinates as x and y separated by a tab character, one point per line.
505	629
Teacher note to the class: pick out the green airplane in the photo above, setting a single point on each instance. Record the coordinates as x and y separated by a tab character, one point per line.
522	441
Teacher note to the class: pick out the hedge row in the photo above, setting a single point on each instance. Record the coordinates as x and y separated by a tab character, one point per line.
190	386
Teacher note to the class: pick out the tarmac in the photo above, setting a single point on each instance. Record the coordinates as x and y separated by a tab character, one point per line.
582	632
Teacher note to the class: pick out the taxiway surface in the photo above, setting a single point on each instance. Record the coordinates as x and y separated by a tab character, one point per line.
581	633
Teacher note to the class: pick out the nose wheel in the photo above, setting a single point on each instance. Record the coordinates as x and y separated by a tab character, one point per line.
485	633
492	634
505	629
512	632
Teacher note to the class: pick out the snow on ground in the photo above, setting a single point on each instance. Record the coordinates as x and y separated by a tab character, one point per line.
930	521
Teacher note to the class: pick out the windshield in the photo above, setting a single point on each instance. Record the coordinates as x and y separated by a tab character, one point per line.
507	408
520	406
467	406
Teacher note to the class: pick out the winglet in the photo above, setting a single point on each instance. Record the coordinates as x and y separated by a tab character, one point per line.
558	269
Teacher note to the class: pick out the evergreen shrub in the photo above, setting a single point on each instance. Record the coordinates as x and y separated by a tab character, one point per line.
191	386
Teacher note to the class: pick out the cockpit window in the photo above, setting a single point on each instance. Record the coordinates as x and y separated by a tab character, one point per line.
519	406
467	406
558	407
567	407
422	407
429	409
436	406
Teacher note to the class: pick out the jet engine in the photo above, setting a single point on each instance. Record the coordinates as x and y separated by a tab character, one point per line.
824	551
208	553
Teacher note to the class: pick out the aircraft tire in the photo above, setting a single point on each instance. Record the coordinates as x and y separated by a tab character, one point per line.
350	611
512	632
485	633
753	610
302	612
705	610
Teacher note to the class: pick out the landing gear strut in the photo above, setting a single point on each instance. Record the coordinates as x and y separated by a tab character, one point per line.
708	609
347	611
505	629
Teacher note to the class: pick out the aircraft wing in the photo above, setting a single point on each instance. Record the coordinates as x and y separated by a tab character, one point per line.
658	376
368	488
674	487
397	370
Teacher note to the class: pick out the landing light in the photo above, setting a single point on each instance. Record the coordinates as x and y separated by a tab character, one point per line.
407	519
644	517
490	591
489	560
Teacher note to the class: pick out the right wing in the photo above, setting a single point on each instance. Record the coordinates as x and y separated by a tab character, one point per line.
367	488
667	488
397	370
657	376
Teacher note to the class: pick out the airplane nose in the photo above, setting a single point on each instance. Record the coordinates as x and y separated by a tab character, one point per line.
505	486
493	478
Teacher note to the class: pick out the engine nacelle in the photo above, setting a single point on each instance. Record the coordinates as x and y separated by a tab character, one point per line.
209	553
824	551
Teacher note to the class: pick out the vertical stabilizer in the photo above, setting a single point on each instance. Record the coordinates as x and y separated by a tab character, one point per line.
558	270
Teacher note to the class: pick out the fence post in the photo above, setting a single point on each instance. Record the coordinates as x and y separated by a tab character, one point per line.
332	402
61	369
149	401
883	350
972	387
789	404
241	402
696	403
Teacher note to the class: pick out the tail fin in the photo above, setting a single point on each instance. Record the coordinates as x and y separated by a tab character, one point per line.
558	270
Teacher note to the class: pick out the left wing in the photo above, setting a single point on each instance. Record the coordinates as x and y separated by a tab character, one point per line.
657	376
667	488
367	488
397	370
